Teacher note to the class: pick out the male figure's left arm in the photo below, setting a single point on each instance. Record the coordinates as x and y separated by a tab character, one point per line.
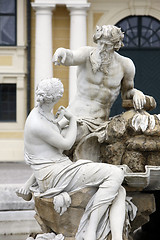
127	86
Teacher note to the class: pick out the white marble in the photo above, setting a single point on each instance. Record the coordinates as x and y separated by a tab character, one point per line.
47	236
102	73
142	121
55	174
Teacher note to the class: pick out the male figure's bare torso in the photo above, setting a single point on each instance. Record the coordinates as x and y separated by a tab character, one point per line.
96	92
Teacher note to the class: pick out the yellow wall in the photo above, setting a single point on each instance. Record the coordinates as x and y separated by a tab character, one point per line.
13	70
5	60
61	30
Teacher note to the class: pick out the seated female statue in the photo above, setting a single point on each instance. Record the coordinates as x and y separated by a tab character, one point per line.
55	173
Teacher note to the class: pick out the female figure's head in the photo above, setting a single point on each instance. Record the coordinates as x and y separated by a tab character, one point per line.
49	90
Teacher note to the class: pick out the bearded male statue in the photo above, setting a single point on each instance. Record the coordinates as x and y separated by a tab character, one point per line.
101	75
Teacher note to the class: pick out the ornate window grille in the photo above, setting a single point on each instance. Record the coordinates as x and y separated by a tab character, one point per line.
140	32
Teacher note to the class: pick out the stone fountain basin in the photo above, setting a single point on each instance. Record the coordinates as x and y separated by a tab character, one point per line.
148	180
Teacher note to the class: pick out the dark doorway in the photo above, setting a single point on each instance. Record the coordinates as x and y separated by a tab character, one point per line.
142	45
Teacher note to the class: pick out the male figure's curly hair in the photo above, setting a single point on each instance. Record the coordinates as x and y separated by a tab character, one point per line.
109	34
49	90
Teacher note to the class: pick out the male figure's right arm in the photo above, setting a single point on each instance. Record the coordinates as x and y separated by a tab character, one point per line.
69	57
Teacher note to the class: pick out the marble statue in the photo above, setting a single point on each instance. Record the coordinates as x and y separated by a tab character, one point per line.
101	75
55	175
47	236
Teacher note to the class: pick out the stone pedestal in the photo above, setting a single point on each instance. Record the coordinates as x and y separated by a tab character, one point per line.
145	204
68	223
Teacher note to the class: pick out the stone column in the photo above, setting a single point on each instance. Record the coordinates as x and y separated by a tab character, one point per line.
43	41
78	38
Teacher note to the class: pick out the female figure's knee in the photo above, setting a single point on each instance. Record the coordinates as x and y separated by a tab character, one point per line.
118	174
122	192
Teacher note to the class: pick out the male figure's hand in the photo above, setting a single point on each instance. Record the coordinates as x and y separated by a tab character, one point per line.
59	57
139	100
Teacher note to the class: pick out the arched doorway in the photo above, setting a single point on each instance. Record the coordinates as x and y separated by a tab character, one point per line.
142	45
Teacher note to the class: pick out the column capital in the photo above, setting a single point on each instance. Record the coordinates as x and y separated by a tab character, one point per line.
78	6
43	6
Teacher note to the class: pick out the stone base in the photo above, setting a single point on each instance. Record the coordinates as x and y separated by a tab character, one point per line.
145	204
67	224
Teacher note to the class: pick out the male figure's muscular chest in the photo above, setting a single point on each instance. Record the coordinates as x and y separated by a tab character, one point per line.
109	80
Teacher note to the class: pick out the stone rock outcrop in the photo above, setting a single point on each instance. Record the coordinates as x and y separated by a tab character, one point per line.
134	147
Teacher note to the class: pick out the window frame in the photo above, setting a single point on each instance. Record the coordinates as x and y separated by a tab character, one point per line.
6	102
139	28
15	15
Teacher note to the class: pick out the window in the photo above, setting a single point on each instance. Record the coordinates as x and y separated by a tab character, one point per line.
140	32
7	102
7	22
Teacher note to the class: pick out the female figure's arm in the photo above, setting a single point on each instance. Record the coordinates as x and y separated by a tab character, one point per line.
24	191
55	138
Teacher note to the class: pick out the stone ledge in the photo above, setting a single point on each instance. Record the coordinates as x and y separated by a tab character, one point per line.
18	222
10	201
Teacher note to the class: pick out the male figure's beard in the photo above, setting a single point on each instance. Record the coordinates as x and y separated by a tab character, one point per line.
100	59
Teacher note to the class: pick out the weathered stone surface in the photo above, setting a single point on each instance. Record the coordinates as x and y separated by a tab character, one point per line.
44	227
81	198
68	223
116	129
128	115
153	158
145	203
90	150
122	143
142	143
125	145
112	153
134	160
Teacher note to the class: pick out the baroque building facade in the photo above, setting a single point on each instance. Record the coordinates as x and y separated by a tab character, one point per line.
31	31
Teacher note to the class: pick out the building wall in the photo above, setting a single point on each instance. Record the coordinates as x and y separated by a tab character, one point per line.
13	70
112	11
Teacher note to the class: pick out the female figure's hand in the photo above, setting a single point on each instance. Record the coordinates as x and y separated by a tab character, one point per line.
62	111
